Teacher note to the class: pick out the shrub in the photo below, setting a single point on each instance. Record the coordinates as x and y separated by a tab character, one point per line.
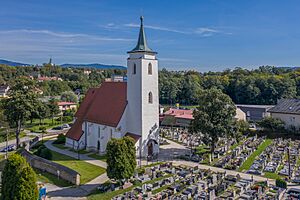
61	139
281	183
18	180
44	152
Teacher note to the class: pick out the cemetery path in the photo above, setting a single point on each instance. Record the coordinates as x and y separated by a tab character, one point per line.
84	157
171	150
216	169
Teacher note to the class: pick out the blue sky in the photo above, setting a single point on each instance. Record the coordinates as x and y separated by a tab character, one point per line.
203	35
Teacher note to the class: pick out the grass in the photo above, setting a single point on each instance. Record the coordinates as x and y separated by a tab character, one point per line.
36	127
11	135
237	144
247	164
96	195
45	177
98	157
81	151
272	175
60	146
87	171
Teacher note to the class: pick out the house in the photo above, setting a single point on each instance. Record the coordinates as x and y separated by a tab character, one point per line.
240	115
4	90
118	109
63	106
177	117
288	110
255	112
183	117
46	78
117	78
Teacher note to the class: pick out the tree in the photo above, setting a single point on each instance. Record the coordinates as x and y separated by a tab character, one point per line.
214	116
272	124
53	108
21	103
42	111
69	96
121	161
18	180
281	183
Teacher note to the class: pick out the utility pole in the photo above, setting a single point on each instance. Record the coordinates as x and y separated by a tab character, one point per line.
6	152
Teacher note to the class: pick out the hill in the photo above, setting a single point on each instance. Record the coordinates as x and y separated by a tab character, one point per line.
95	65
12	63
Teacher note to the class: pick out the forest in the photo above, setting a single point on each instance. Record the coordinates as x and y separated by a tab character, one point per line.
264	85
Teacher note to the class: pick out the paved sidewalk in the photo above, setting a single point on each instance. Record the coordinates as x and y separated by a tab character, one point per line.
84	157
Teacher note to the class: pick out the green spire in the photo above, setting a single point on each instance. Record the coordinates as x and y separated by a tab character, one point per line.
142	42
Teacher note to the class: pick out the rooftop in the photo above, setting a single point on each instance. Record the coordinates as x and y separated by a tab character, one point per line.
142	45
287	106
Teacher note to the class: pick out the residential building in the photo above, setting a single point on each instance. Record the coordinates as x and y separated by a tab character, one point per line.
288	110
255	112
63	106
4	90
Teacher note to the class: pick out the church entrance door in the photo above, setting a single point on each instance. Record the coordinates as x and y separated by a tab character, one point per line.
98	146
150	148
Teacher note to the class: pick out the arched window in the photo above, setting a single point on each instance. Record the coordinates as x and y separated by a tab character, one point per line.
150	68
134	69
150	97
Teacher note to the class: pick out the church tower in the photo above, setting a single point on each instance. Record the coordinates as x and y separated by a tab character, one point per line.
142	96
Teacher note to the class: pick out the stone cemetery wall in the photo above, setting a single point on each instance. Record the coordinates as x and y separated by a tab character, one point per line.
56	169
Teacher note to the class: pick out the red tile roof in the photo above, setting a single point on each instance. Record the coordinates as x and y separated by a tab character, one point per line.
104	105
64	103
108	104
180	113
134	136
75	132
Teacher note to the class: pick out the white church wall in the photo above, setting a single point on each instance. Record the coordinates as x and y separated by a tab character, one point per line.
134	90
150	111
102	134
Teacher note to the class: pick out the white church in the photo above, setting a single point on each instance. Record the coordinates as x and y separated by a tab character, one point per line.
118	109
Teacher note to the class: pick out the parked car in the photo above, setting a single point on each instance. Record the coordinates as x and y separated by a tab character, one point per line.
11	147
57	128
65	126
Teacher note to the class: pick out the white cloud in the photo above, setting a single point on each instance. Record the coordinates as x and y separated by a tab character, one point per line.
62	34
201	31
156	28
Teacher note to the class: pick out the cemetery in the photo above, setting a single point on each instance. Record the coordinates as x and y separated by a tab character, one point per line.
271	158
166	181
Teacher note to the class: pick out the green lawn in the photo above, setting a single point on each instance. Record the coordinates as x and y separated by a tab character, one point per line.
247	164
237	144
60	146
36	127
87	171
81	151
272	175
98	157
45	177
11	135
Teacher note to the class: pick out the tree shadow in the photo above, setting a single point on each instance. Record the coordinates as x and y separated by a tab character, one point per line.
74	191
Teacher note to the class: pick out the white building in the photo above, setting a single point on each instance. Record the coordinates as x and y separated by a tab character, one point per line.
288	110
119	109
